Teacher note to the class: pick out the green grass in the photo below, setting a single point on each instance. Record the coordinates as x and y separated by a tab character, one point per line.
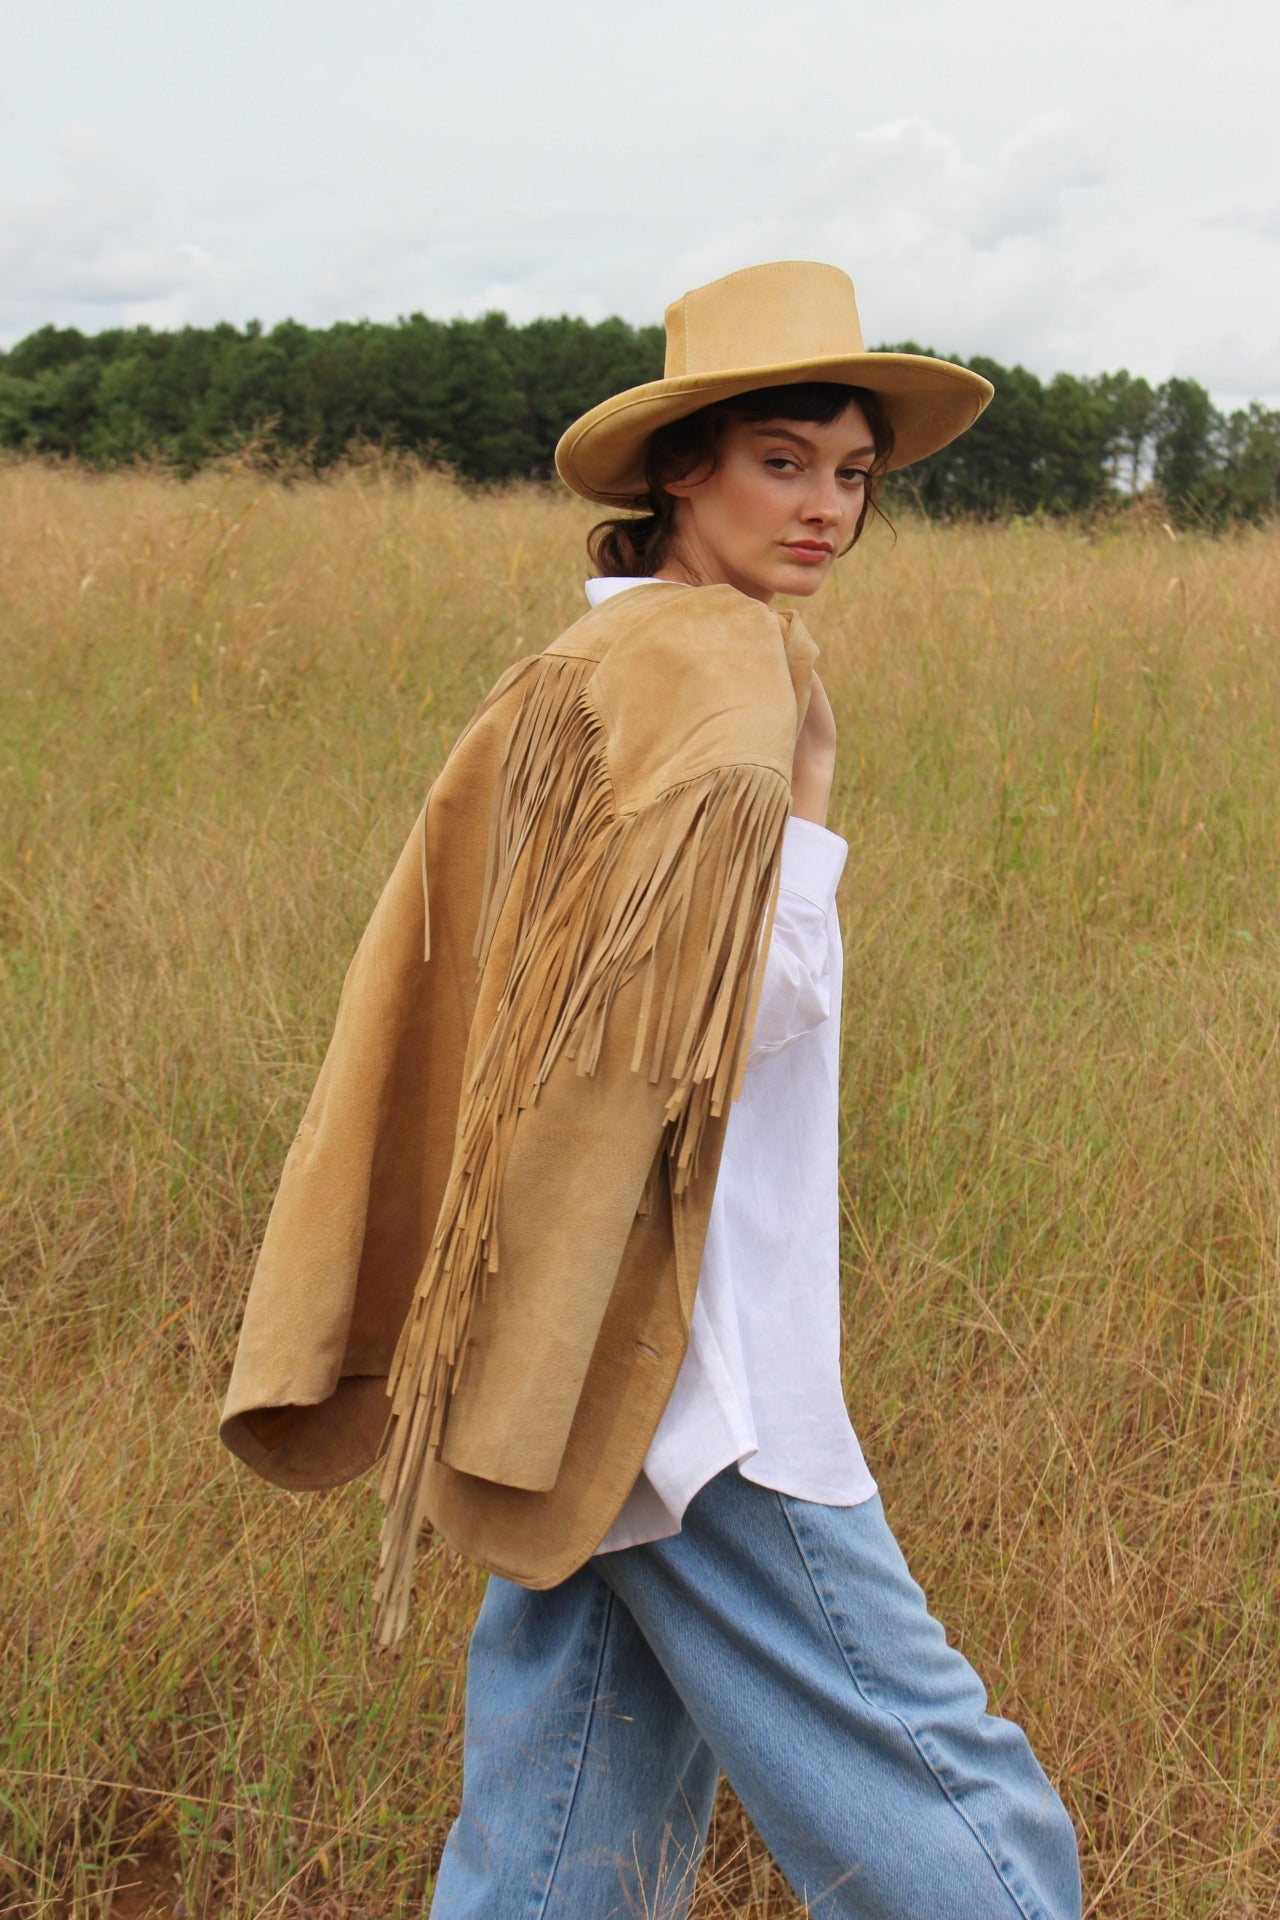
220	705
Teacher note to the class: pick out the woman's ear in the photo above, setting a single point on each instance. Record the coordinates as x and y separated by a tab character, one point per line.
683	487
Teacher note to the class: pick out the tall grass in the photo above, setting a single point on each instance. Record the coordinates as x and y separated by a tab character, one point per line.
220	705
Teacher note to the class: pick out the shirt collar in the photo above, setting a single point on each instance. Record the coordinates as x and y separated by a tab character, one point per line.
604	586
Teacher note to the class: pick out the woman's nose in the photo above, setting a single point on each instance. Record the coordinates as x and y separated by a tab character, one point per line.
823	501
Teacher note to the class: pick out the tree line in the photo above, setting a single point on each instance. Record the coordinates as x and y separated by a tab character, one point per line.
491	399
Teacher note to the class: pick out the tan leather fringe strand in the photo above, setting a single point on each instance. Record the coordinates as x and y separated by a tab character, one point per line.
597	890
421	831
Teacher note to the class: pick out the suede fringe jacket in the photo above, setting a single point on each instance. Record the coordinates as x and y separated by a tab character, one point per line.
482	1256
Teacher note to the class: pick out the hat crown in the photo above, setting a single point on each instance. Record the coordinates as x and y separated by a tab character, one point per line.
788	310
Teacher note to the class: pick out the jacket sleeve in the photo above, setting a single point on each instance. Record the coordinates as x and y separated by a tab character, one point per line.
292	1412
300	1409
634	858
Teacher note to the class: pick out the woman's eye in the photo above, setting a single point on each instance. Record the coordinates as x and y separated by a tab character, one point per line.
780	462
855	475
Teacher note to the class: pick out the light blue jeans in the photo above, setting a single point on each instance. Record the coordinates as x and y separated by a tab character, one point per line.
786	1643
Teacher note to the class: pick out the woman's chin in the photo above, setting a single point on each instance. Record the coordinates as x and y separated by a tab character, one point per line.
798	580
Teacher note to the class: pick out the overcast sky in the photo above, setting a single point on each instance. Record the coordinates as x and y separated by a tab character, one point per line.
1085	187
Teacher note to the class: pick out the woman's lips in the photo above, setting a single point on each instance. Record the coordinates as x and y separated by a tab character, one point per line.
810	551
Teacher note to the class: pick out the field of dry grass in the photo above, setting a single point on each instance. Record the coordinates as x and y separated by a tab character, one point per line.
220	705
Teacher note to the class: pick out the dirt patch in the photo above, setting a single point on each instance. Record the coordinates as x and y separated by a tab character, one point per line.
148	1886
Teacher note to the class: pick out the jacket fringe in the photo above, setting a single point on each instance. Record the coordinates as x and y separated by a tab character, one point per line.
597	892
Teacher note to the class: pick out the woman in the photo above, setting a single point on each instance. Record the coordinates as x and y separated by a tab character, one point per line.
633	1417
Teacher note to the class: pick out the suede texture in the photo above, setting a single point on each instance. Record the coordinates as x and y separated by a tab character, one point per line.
577	1333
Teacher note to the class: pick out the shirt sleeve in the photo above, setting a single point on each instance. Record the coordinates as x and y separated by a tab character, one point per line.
795	994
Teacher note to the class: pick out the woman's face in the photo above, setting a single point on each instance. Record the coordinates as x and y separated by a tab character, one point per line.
778	508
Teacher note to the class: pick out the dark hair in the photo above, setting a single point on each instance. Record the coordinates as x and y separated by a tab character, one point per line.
640	543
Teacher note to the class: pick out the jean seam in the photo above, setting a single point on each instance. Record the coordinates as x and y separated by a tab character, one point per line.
919	1745
587	1719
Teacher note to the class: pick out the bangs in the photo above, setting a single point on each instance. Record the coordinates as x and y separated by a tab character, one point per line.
815	402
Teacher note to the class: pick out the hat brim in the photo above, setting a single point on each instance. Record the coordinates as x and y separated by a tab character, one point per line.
926	401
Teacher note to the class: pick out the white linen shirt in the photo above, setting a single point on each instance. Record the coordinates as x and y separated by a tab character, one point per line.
760	1384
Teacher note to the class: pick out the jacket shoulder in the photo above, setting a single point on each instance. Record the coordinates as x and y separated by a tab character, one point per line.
645	613
694	678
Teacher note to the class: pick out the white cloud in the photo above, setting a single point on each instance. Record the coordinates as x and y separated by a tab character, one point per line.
910	170
1250	219
1025	193
1235	370
95	243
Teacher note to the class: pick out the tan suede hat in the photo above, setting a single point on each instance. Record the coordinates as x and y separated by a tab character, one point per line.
767	326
